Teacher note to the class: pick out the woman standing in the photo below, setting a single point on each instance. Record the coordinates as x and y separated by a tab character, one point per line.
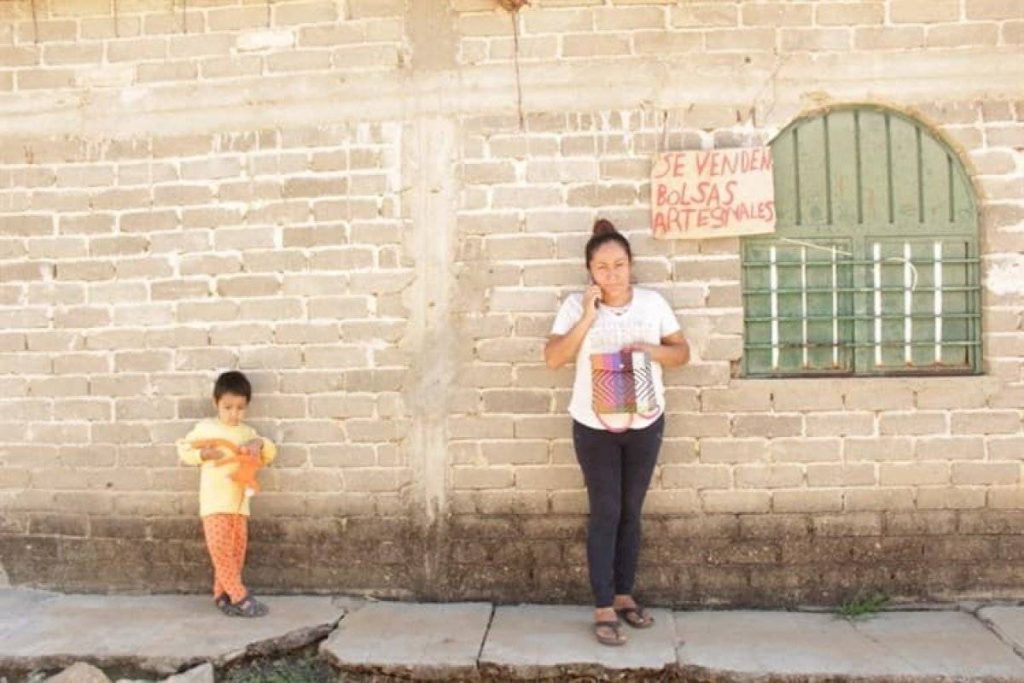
616	452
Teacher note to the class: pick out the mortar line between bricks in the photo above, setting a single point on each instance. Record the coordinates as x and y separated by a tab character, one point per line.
994	630
487	632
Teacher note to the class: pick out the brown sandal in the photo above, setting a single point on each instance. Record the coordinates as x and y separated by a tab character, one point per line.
614	640
636	617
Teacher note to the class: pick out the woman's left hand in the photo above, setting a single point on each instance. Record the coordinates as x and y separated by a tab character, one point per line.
672	352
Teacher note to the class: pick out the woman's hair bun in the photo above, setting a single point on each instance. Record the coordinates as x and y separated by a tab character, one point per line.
603	226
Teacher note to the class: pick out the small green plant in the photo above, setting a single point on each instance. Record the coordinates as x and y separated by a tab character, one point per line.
862	605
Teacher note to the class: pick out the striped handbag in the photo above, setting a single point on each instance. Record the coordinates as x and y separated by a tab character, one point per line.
622	383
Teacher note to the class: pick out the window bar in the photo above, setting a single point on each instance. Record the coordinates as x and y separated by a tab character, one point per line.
877	253
835	310
937	252
974	289
908	303
803	301
773	283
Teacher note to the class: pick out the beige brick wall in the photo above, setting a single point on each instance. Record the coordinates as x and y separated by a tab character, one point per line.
347	200
278	252
558	31
748	445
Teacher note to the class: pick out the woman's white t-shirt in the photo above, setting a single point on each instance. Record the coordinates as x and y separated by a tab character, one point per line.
645	320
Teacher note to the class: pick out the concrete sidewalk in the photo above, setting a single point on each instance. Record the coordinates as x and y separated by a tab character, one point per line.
155	636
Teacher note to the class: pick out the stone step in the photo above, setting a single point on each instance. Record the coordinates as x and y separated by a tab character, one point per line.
890	646
467	641
160	634
538	641
1007	622
426	641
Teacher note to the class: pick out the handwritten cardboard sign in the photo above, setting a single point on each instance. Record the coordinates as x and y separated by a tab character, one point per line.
698	194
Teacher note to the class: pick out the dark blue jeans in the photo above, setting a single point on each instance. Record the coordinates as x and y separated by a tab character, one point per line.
617	469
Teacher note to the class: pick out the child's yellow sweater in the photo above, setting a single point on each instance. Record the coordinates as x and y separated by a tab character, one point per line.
218	494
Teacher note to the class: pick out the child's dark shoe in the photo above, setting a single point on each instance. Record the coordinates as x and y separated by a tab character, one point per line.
222	601
247	607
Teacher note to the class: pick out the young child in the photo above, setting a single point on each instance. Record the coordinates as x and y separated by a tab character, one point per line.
224	502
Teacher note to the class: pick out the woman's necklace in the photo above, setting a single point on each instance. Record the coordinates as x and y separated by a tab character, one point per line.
619	310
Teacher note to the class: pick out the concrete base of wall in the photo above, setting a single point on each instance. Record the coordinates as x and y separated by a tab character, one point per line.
730	560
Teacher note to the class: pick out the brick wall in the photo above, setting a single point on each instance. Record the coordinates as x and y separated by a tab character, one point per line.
348	201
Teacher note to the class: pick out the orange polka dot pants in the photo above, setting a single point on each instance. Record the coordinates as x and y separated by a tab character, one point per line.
226	538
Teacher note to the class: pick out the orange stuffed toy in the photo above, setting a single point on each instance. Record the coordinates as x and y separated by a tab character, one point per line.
245	474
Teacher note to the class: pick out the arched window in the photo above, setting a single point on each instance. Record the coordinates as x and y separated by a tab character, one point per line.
873	268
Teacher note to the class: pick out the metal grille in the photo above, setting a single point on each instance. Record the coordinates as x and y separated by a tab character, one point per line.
874	267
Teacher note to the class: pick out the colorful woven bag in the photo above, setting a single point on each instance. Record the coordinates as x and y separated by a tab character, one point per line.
623	384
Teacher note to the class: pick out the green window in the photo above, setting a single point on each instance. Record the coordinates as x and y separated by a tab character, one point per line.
873	268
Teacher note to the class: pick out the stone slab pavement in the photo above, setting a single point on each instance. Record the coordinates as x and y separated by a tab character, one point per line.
467	641
420	640
931	645
1008	622
158	633
532	641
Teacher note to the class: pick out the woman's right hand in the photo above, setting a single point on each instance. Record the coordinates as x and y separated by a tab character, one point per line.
562	348
591	297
